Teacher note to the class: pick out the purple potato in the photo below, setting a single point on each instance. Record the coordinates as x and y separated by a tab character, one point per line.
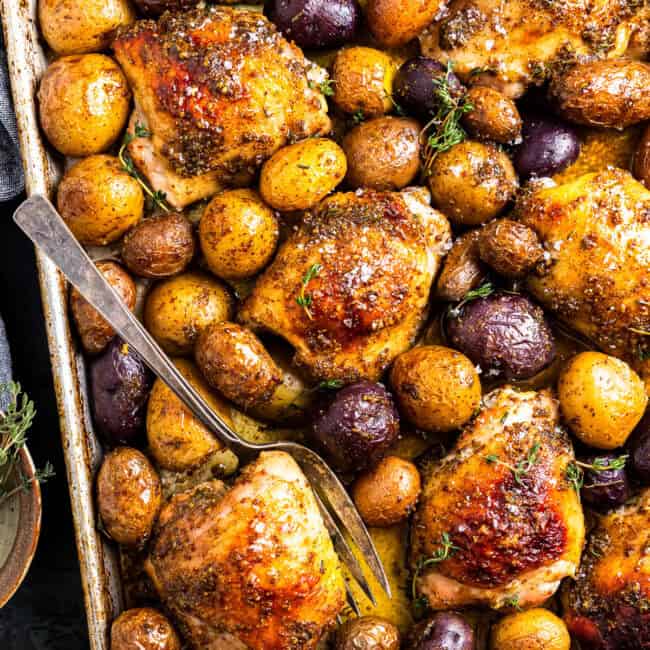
604	488
443	631
120	384
415	84
639	449
505	334
358	427
315	24
548	146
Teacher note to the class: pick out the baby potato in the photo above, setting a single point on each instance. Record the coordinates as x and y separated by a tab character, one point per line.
234	361
145	629
159	246
99	200
462	269
396	22
80	26
534	629
178	309
472	182
509	247
493	116
642	158
383	154
297	177
84	103
437	388
388	493
158	7
601	399
238	234
128	496
603	93
95	333
363	81
367	633
178	441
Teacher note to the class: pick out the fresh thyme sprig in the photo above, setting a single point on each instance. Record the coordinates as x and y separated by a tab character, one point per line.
575	470
358	117
14	424
486	289
444	130
513	602
157	196
330	384
446	550
521	469
305	300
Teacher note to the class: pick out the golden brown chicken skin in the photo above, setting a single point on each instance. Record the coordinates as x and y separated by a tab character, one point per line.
350	287
514	44
596	277
502	501
251	566
608	606
220	90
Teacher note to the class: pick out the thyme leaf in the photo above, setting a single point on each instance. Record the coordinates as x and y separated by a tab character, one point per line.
330	384
358	117
446	550
486	289
575	476
513	602
521	469
303	299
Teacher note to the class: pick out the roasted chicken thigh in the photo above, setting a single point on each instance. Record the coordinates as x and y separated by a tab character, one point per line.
516	43
349	288
219	90
498	522
249	567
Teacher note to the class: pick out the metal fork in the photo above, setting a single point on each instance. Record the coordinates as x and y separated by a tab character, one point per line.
38	219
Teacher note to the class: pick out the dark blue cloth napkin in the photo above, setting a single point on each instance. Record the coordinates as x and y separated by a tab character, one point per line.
11	171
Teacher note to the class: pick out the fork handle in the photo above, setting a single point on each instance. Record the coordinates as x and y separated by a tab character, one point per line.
38	219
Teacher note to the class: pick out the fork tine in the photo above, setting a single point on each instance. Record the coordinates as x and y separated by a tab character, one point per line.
338	500
351	599
345	553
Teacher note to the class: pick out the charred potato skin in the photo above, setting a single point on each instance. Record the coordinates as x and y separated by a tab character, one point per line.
437	388
159	247
179	308
363	81
234	361
383	154
509	247
238	234
177	440
388	493
472	182
534	629
143	628
81	26
462	269
610	93
99	201
367	633
396	22
493	117
642	159
297	177
128	496
95	333
77	122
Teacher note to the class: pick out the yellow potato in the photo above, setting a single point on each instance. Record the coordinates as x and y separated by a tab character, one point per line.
80	26
84	103
535	629
363	81
437	388
396	22
601	399
177	440
99	200
144	629
238	234
177	310
297	177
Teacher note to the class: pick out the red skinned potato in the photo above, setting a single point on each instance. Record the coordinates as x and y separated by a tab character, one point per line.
396	22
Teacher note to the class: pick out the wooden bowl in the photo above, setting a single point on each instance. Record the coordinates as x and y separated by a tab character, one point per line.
20	526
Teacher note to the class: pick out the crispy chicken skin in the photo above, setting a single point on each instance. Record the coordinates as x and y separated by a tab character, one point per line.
220	90
517	533
377	255
249	567
596	232
512	44
608	605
